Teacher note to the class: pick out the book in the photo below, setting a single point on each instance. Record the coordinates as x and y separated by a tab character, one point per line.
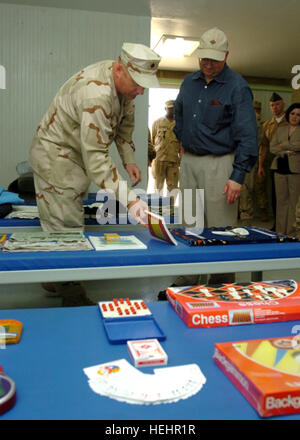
265	371
126	242
236	303
158	228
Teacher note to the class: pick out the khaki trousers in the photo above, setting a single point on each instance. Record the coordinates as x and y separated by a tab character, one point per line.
209	173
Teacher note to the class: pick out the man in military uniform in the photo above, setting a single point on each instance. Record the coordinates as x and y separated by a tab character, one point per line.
165	167
93	109
265	157
251	190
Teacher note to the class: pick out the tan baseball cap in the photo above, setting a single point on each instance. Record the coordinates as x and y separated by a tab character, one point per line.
142	64
213	45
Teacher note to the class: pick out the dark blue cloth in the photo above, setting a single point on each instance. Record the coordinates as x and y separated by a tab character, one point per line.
218	118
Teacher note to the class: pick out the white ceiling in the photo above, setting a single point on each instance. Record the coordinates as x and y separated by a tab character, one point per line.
264	35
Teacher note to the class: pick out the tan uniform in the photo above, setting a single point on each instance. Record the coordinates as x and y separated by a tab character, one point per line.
166	164
71	145
264	197
287	185
251	186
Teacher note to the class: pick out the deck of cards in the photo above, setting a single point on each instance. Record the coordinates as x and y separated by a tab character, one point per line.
147	353
121	381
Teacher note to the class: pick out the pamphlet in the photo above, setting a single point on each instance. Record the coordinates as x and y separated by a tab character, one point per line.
159	229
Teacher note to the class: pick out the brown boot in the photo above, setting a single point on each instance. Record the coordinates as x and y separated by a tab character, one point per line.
74	295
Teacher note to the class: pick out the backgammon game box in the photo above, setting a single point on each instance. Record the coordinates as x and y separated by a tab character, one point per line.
236	303
265	371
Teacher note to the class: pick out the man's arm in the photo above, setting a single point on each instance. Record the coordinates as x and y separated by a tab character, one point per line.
178	114
244	129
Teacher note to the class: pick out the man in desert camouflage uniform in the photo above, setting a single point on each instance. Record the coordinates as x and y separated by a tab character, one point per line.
265	157
93	109
166	164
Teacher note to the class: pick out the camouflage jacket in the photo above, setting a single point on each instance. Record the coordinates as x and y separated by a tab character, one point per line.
164	140
71	144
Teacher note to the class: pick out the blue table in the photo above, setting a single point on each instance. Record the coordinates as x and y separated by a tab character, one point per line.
159	259
57	344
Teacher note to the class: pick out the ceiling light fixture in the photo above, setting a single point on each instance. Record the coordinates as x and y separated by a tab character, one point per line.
174	46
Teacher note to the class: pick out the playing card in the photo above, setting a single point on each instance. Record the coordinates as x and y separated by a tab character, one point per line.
121	381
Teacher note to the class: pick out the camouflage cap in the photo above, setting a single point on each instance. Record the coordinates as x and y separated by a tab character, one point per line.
169	104
142	64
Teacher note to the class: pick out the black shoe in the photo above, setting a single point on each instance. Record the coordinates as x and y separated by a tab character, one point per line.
162	295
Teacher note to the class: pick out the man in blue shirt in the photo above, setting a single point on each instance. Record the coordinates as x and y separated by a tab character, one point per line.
216	126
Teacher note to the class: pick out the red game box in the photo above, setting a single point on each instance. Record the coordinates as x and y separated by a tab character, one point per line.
265	371
236	303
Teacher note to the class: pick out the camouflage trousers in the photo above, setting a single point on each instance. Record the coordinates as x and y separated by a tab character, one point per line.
163	170
254	192
59	209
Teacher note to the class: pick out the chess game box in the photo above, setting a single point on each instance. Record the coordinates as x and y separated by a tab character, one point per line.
265	371
236	303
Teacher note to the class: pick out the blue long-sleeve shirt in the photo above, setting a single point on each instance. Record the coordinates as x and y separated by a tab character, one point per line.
218	118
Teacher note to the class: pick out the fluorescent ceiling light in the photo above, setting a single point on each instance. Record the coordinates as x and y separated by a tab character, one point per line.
2	78
174	46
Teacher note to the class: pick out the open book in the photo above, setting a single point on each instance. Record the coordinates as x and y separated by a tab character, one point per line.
159	229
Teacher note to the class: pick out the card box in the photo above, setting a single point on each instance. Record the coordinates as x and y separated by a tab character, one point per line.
265	371
236	303
147	353
126	319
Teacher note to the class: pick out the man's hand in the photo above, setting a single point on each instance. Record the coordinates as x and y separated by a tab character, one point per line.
137	210
232	190
134	173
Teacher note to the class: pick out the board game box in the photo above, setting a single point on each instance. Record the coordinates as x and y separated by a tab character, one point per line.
126	319
236	303
265	371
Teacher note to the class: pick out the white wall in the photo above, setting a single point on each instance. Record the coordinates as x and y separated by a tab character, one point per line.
42	47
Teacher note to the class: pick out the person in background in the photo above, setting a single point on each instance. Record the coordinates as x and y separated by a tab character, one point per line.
265	157
93	109
285	145
251	190
165	167
216	126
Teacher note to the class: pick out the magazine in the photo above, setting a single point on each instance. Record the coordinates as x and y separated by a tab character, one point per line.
158	228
